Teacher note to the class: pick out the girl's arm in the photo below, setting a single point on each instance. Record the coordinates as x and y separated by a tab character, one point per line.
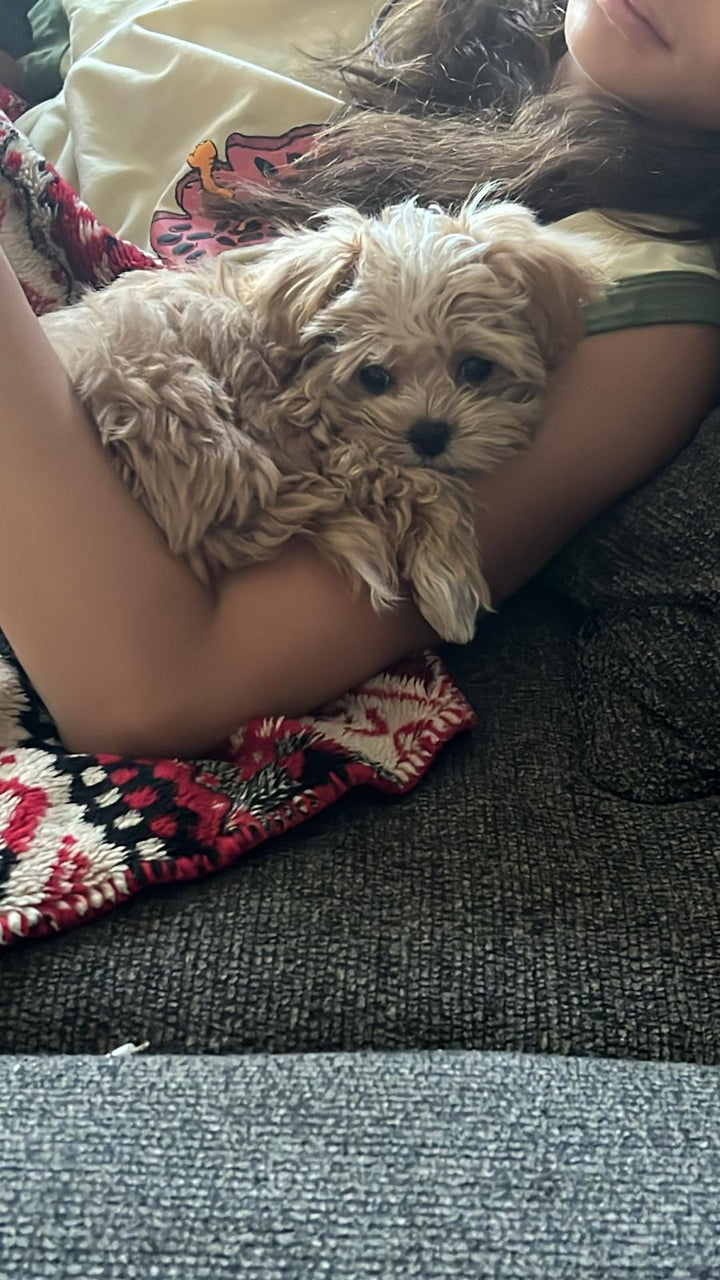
132	654
287	636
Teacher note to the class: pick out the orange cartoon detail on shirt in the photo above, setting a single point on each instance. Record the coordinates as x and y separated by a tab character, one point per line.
203	158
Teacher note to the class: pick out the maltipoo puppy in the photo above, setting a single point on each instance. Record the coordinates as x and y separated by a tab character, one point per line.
347	387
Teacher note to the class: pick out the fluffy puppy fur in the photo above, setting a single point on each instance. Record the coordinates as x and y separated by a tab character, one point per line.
347	386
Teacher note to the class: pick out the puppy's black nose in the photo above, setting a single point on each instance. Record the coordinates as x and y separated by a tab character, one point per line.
429	438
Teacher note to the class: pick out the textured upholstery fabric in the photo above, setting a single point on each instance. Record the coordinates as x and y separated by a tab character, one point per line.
508	903
647	676
394	1166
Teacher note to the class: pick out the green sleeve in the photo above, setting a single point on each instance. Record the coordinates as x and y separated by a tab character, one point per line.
662	297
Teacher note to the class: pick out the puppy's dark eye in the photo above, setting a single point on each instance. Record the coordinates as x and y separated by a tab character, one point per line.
475	370
376	379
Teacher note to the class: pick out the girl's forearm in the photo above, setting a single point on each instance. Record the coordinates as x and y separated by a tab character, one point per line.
101	615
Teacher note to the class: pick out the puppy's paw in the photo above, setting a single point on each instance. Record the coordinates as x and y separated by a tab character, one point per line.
451	606
383	595
357	547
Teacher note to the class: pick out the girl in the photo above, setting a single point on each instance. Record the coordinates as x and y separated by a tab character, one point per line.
576	108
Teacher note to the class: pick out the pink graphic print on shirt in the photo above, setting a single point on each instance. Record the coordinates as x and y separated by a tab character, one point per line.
191	234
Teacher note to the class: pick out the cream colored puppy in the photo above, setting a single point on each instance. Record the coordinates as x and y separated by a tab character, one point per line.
347	387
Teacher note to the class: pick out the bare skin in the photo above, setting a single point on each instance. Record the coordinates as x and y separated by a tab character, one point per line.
665	65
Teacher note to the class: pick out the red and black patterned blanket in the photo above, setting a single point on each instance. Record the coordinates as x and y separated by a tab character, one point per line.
79	834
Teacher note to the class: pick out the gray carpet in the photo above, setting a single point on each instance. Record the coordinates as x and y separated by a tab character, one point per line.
386	1166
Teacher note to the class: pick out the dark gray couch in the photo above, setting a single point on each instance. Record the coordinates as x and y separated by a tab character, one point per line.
551	888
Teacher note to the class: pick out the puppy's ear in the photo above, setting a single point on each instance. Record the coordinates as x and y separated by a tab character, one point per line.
302	271
558	270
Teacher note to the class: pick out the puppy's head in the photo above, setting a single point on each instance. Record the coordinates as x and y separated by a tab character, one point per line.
427	337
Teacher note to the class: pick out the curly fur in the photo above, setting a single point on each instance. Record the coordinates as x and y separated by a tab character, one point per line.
231	401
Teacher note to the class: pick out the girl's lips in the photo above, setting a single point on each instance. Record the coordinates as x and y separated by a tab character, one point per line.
634	20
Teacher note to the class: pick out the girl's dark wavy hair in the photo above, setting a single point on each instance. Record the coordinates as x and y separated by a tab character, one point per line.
447	94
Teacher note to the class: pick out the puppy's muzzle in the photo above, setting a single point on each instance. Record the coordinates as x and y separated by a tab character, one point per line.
429	439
